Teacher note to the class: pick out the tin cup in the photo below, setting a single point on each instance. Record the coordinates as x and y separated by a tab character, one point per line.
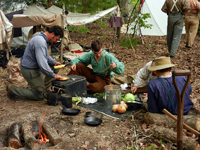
66	100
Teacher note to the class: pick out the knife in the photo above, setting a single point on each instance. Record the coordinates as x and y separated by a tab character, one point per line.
105	69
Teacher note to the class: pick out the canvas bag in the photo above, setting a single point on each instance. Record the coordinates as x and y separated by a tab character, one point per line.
14	73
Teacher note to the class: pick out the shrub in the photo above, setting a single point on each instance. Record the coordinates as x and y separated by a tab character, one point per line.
126	42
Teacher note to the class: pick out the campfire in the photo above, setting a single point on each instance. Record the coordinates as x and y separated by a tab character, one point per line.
33	136
42	136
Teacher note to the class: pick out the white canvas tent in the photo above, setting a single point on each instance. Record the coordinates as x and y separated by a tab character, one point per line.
5	33
74	19
158	18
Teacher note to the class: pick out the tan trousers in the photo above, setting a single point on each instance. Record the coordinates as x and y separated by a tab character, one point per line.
191	26
97	82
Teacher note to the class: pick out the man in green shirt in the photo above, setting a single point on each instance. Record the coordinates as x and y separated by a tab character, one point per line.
100	60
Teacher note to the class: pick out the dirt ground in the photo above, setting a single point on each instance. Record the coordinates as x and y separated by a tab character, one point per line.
112	134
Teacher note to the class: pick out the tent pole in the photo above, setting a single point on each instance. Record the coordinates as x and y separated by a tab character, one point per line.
63	27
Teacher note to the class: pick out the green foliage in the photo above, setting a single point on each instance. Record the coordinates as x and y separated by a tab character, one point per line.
111	31
74	29
142	21
150	147
102	25
103	37
78	6
130	148
83	29
127	42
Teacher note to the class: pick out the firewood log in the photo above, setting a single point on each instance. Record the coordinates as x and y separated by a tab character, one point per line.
29	138
162	119
13	136
50	132
170	135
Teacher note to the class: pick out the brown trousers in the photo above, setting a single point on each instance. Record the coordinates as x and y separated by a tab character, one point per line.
97	82
191	26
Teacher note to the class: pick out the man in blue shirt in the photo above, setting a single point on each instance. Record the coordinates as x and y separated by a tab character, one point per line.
161	91
36	63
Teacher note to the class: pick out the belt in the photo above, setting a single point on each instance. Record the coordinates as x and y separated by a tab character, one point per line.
175	13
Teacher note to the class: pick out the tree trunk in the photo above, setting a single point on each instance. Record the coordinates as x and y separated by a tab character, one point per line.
118	28
13	136
124	6
29	138
48	3
170	135
162	119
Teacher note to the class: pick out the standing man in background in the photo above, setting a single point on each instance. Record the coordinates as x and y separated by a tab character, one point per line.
175	10
192	22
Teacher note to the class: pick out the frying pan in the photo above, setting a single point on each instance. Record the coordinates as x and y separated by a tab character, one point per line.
93	114
133	104
70	111
93	121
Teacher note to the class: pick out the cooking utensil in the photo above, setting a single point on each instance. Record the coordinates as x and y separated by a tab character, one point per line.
62	66
180	104
133	104
112	94
64	79
93	114
66	100
70	111
67	78
51	97
105	69
93	121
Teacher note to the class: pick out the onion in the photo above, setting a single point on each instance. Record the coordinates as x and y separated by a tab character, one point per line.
124	104
121	109
115	107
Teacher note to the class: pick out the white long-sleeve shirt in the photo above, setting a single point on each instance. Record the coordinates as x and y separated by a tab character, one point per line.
143	76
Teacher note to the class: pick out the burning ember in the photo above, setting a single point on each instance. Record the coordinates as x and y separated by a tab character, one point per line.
41	136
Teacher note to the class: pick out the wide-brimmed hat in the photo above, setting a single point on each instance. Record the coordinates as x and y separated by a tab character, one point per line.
161	63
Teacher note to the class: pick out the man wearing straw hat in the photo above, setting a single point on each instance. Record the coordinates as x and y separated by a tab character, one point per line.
161	91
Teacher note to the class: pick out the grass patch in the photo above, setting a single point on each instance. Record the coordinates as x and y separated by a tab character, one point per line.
127	42
103	37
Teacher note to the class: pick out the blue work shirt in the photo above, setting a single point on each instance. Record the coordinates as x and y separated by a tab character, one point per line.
158	96
36	55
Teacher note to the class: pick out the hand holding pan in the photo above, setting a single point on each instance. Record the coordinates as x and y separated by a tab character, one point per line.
61	66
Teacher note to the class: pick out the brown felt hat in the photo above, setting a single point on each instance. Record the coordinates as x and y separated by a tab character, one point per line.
161	63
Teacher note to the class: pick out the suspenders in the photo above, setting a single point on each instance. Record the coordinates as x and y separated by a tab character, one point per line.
174	5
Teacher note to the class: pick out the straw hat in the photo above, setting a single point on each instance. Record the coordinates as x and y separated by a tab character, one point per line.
161	63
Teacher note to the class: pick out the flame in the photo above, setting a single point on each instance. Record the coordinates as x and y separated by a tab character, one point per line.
42	136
